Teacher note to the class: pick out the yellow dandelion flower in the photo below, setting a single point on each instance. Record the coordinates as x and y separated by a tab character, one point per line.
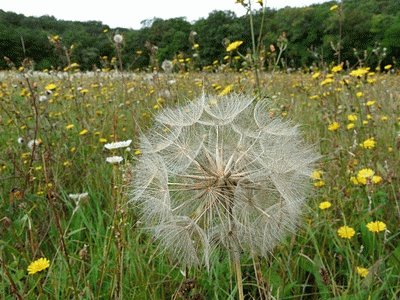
359	94
327	81
376	179
350	126
102	140
316	75
333	126
352	117
50	87
368	143
83	132
337	69
346	232
38	265
384	118
365	175
387	67
325	205
226	90
233	46
376	226
316	175
359	72
370	103
319	183
334	7
69	126
363	272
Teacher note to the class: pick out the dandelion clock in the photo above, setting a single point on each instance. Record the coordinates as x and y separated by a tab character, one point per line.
219	173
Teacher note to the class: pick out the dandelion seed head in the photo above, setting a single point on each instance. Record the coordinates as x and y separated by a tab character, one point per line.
118	39
220	173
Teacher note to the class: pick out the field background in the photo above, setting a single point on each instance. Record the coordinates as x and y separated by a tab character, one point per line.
96	246
56	117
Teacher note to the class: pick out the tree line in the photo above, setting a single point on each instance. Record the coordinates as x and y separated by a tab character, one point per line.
320	34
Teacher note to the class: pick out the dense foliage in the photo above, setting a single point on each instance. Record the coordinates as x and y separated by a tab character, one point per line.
313	34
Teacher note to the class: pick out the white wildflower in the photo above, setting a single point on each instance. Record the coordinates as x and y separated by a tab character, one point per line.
42	98
114	159
78	196
117	145
31	142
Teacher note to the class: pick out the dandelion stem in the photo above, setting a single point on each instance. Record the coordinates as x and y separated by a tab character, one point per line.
238	272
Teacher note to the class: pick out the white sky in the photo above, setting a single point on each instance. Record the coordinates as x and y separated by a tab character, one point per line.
129	13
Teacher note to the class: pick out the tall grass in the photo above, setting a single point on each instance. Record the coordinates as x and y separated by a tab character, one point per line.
96	246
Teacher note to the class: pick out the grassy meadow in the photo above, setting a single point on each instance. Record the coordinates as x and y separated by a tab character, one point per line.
62	201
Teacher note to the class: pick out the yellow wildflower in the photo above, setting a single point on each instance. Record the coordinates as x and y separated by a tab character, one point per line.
334	7
370	103
359	94
226	90
346	232
363	272
38	265
376	226
50	87
327	81
350	126
359	72
316	75
376	179
325	205
368	143
83	132
387	67
316	175
319	183
352	117
69	126
233	46
333	126
366	176
337	69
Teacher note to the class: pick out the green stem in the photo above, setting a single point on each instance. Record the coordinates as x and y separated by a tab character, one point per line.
254	56
239	279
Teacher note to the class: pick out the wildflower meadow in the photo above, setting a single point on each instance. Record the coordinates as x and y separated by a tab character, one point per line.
221	183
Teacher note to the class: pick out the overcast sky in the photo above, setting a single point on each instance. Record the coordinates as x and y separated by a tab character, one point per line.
129	13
